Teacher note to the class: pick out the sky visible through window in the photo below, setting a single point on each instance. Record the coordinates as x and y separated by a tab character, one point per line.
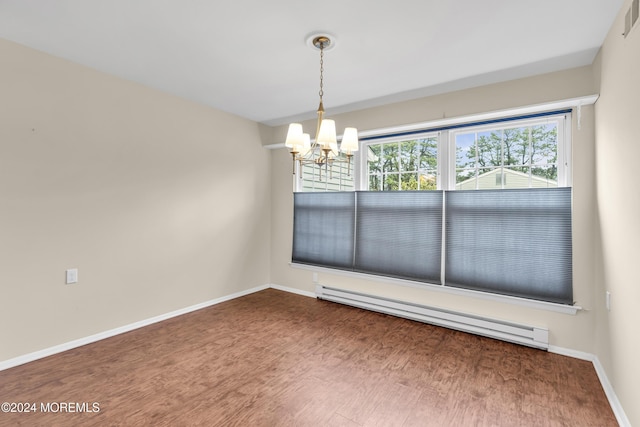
507	158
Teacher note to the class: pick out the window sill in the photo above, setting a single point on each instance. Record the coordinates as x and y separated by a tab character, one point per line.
541	305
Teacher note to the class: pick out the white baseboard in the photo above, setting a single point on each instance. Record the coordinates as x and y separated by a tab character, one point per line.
30	357
294	291
571	353
616	407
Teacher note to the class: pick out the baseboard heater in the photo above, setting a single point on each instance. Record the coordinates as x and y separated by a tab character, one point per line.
516	333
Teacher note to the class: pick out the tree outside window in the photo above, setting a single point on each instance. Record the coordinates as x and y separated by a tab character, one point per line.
508	158
403	165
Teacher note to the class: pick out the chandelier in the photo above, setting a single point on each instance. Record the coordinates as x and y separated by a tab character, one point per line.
323	151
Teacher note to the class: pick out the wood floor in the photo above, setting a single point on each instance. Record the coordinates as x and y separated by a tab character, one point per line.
279	359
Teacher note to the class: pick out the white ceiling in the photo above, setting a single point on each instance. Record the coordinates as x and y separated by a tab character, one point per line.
250	57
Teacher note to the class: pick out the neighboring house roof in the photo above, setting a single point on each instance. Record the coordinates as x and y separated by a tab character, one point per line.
512	179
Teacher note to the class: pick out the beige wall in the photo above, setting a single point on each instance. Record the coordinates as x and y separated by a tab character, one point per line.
159	202
568	331
618	232
513	94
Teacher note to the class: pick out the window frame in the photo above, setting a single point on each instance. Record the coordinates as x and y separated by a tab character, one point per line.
446	146
453	288
565	107
563	144
361	180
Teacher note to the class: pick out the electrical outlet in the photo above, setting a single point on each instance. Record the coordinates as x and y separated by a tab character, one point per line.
608	300
72	276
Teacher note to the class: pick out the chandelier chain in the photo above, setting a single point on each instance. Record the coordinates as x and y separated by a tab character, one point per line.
321	70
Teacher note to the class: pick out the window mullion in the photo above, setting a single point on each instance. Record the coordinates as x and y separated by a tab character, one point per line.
502	150
530	129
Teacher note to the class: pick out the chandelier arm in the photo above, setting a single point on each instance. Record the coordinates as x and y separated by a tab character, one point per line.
294	155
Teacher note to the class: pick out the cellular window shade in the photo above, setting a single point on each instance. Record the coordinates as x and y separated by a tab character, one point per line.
399	234
323	229
511	242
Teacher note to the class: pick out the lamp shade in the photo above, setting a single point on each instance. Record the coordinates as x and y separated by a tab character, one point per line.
294	137
327	135
349	140
306	144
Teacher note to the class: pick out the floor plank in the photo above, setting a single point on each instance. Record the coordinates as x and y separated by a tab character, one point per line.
278	359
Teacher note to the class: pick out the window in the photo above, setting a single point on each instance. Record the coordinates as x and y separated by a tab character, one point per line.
528	152
514	242
483	207
403	165
323	228
516	156
346	231
329	178
408	225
